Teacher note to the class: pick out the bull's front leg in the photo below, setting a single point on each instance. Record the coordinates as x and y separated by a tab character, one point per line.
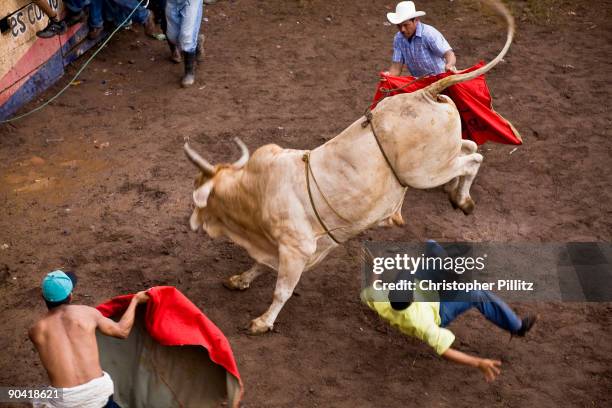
290	268
243	280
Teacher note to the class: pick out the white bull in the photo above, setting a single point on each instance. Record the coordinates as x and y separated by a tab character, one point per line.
289	220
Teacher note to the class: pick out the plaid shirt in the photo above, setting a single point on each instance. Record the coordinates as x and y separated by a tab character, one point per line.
423	54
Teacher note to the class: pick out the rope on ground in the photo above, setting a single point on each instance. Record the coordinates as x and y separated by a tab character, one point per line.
128	18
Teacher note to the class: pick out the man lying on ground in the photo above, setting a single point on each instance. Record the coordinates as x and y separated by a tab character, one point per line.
65	339
427	320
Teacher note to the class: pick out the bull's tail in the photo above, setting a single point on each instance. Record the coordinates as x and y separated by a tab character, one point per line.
437	87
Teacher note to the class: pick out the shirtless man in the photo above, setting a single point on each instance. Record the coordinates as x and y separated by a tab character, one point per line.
65	339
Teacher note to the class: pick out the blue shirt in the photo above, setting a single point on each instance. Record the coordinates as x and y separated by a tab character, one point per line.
423	54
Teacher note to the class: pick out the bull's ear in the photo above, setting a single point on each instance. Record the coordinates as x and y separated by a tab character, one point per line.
200	196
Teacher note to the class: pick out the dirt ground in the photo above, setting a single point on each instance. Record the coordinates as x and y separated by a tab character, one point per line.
98	183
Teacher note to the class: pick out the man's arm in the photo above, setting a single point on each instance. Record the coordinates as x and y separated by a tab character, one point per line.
451	61
395	69
122	328
490	368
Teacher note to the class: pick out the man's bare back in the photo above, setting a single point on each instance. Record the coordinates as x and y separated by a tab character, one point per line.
65	339
66	342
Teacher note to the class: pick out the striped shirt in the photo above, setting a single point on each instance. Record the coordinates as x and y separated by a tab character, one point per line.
423	53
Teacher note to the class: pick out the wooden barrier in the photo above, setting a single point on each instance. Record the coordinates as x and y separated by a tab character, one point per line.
28	64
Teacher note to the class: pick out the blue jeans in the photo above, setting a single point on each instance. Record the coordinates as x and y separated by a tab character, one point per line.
184	19
141	14
95	10
492	307
111	403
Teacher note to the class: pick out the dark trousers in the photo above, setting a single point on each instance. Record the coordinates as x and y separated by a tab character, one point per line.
491	307
111	403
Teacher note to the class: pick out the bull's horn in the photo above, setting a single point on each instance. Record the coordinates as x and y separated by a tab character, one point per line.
245	154
437	87
201	163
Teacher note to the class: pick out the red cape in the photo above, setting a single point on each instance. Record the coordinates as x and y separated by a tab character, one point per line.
479	122
172	320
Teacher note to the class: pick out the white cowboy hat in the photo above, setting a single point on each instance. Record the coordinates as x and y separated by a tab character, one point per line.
405	10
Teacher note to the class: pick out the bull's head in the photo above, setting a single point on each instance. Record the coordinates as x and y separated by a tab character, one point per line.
205	181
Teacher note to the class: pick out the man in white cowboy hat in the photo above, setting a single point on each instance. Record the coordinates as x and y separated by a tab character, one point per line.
419	46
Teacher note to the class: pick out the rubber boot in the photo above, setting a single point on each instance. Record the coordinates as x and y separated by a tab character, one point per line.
175	53
189	58
200	48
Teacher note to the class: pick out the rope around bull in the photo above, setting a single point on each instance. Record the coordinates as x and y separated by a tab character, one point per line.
369	117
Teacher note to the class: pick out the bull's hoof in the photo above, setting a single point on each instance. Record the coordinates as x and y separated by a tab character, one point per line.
468	206
453	203
259	326
236	283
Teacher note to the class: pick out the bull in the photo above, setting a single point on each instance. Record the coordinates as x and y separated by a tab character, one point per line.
290	208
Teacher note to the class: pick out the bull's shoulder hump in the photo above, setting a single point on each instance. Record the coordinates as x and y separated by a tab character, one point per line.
268	149
273	151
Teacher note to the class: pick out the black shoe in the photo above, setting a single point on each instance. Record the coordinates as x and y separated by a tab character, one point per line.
52	29
74	18
528	323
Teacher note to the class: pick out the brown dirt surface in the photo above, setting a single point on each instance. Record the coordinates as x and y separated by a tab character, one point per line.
97	182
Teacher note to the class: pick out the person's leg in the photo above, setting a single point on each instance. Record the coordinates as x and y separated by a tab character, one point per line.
173	20
75	6
450	310
46	8
188	38
173	24
55	26
96	19
111	403
74	11
140	16
163	23
95	14
496	311
191	14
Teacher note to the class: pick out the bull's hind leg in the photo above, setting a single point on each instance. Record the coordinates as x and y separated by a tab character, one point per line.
291	266
461	197
458	188
243	280
467	147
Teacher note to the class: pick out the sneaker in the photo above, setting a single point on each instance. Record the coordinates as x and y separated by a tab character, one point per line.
74	18
95	32
52	29
528	323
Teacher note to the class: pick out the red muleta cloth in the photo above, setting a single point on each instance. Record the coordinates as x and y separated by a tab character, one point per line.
172	320
479	122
